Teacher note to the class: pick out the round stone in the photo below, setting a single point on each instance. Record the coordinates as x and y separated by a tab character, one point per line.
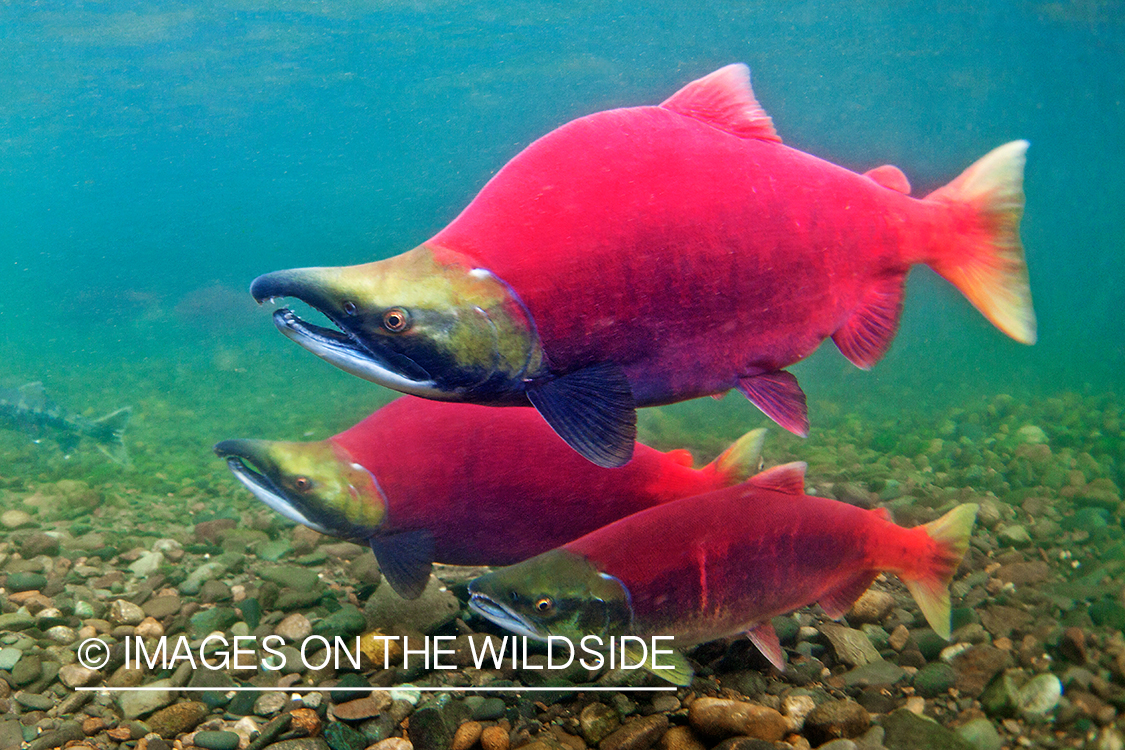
123	612
934	679
835	719
213	740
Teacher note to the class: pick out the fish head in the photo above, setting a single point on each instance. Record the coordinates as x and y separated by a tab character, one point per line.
557	593
316	484
427	322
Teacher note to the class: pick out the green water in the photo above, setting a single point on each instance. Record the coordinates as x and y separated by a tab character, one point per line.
156	157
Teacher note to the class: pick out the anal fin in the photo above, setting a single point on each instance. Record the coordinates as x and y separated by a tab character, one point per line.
593	411
866	335
405	560
839	600
764	638
780	398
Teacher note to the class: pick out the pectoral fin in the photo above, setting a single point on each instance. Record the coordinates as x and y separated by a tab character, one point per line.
593	411
669	665
405	560
780	397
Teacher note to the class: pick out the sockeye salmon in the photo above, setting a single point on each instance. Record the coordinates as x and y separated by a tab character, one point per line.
422	481
724	563
27	409
650	255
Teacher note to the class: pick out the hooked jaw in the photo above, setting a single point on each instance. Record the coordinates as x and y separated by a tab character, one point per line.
493	611
418	323
310	483
340	346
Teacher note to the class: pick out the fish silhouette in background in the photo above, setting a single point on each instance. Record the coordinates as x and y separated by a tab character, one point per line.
649	255
28	410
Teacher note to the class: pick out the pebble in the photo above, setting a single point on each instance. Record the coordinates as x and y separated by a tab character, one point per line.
596	721
76	675
8	657
26	582
16	519
301	743
147	564
795	708
137	703
638	734
362	708
294	628
1039	695
837	718
873	607
492	738
216	740
720	718
934	679
270	703
401	743
177	718
850	646
123	612
466	735
981	734
680	738
159	607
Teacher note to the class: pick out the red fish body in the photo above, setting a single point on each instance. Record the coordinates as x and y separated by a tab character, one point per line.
462	484
494	487
713	257
724	563
650	255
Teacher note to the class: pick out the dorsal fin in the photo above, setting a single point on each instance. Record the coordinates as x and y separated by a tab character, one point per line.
725	100
787	478
889	176
681	456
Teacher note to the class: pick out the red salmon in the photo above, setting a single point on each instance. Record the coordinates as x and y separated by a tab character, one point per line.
650	255
461	484
724	563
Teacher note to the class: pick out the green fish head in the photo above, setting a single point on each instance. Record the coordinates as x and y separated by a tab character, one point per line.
316	484
426	322
557	593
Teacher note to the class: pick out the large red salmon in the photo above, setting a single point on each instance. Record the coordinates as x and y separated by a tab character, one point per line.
421	481
650	255
724	563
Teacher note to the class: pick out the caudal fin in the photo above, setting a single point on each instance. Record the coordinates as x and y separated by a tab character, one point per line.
986	262
741	459
109	434
929	584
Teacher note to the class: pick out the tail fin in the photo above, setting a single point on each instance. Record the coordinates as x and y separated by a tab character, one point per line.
987	265
931	588
109	434
741	459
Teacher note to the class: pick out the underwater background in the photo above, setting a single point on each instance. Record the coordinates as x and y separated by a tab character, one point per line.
156	156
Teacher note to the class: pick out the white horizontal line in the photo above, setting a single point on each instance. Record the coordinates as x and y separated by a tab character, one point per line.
306	689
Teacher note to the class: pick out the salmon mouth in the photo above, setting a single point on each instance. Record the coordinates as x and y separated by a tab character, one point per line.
498	614
262	487
341	348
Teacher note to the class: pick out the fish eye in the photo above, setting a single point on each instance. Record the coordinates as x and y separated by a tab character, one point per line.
304	484
350	307
396	320
543	605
